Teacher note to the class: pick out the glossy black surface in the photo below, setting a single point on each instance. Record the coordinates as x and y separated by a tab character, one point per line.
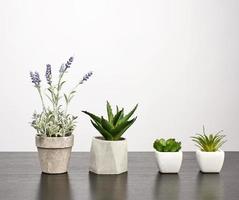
21	179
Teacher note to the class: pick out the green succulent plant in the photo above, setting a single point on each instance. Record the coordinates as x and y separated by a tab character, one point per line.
116	124
209	143
170	145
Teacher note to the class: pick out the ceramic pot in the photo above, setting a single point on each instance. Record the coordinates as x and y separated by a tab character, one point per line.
108	157
210	162
169	162
54	153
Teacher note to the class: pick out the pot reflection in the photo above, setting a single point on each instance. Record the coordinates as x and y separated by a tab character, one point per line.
210	186
108	187
53	187
166	186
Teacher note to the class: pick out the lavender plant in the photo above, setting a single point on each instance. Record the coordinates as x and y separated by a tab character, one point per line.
54	120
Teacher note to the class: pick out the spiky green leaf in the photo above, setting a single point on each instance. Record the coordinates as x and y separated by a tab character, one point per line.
94	117
109	112
126	117
106	125
102	131
124	128
117	117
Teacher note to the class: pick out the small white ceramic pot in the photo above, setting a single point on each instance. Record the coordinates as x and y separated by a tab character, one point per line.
210	162
108	157
169	162
54	153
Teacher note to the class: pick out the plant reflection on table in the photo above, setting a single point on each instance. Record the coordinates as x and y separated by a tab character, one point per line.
210	186
166	186
108	187
53	187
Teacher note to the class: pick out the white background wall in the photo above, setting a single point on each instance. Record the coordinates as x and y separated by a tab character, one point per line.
177	59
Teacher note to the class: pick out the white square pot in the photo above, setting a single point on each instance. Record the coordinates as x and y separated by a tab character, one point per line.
108	157
169	162
210	162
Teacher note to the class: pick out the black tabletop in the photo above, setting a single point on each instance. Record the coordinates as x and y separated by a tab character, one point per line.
21	179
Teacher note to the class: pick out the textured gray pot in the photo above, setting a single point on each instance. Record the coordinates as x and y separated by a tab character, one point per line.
108	157
54	153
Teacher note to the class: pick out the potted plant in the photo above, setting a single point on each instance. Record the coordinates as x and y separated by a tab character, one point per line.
210	157
54	125
168	155
108	153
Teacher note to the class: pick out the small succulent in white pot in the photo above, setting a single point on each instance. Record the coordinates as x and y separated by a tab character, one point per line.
168	155
54	125
109	154
210	157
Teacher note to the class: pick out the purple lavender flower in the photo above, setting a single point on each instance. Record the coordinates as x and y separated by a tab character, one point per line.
86	77
35	78
48	74
64	67
69	62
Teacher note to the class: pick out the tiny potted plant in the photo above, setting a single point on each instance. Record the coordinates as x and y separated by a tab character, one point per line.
108	153
210	157
168	155
54	125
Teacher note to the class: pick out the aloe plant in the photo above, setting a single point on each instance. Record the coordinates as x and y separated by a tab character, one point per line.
170	145
114	127
209	143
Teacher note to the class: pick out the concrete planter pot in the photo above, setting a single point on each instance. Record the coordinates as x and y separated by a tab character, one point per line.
169	162
210	162
54	153
108	157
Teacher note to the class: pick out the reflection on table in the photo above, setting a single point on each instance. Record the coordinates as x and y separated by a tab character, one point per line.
108	187
53	187
209	186
166	186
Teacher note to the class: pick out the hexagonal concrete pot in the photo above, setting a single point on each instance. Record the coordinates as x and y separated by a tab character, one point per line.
54	153
169	162
108	157
210	162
